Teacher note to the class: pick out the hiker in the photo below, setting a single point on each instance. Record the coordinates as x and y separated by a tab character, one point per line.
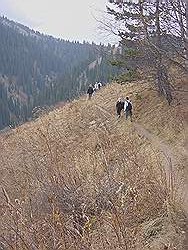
128	108
99	85
119	107
90	91
96	86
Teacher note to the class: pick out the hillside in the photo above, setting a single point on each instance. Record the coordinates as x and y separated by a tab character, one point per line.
39	70
78	178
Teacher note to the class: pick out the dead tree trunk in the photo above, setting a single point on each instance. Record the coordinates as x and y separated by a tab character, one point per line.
162	80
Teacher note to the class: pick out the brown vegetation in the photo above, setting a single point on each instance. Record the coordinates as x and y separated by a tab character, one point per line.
78	178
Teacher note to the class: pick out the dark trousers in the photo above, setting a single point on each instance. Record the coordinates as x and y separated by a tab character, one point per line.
118	112
128	113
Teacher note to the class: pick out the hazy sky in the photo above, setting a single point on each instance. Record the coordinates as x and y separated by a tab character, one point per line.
73	20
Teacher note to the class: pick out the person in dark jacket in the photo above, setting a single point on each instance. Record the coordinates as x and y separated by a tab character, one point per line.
119	107
128	108
90	91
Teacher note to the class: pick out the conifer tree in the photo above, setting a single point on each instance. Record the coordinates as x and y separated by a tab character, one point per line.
154	32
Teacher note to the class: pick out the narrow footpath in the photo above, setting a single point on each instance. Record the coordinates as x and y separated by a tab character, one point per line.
175	180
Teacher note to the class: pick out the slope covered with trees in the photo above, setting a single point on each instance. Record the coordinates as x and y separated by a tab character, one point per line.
38	70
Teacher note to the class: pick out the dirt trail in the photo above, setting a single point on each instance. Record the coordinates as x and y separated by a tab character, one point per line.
171	162
172	171
172	158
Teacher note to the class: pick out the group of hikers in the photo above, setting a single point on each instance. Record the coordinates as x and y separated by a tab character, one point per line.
121	104
92	89
125	106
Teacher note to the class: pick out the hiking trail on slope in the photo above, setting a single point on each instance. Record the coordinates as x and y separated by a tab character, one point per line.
171	170
171	164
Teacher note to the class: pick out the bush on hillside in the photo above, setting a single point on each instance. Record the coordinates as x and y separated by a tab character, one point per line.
129	76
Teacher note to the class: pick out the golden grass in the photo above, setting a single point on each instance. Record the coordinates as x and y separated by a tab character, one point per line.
78	178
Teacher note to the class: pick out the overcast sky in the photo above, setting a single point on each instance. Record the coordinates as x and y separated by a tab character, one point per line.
73	20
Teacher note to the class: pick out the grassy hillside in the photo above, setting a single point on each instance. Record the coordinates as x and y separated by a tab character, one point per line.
38	70
78	178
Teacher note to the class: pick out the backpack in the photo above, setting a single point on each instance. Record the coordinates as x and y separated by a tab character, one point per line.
129	106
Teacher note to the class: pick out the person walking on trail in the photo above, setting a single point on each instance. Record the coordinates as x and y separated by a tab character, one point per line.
119	107
128	108
90	91
96	86
99	85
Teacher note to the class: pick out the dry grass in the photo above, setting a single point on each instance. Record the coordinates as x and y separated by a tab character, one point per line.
79	179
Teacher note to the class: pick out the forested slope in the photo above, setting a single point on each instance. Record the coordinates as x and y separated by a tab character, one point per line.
38	70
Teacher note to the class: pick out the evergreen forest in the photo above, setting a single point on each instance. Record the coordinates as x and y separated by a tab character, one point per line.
38	70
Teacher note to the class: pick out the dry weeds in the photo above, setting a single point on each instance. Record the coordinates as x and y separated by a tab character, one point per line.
79	179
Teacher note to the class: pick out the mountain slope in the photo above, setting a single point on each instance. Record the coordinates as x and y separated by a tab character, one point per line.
38	70
78	177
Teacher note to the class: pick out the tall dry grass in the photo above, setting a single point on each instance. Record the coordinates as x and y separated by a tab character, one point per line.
79	179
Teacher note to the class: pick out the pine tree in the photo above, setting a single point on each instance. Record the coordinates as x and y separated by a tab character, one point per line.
154	32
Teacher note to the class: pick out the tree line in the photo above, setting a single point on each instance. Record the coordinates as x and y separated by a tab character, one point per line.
38	70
